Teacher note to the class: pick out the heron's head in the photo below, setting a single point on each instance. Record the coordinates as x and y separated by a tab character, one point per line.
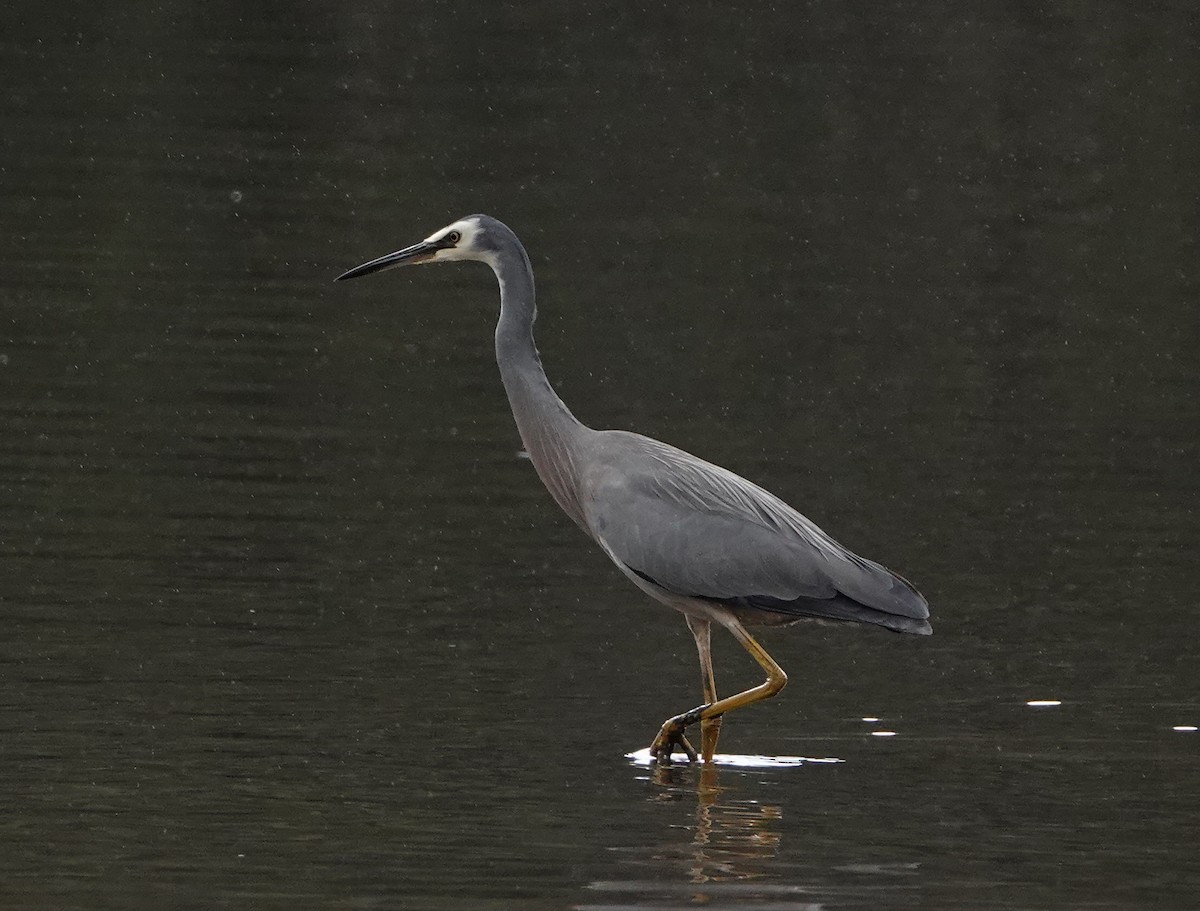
466	239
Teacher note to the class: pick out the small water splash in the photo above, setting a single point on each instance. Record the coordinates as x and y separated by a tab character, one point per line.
642	757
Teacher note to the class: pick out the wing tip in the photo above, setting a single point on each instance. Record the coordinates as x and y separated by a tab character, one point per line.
917	627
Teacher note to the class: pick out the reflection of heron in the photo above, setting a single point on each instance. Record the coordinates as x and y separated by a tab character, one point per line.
691	534
732	838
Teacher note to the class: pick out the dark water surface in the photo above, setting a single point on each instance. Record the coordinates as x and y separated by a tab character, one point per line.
288	624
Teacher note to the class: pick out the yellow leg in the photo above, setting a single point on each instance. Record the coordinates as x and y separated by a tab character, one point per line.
710	728
671	733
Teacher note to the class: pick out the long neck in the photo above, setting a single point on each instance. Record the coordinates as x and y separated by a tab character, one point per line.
551	434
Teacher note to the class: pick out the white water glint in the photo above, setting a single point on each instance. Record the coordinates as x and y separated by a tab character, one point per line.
642	757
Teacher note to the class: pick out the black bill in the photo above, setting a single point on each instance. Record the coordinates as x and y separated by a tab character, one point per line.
417	253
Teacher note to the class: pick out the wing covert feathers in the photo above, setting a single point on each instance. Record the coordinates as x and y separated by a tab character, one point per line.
698	530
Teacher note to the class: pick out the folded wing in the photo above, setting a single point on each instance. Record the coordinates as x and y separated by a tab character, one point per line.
698	530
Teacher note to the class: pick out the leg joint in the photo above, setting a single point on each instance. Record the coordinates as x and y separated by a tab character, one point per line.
776	681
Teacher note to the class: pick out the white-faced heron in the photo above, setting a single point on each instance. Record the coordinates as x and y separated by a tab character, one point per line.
690	534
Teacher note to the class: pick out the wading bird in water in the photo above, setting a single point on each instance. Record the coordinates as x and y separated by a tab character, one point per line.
690	534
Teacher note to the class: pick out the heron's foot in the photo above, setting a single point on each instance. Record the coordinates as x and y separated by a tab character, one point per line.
670	736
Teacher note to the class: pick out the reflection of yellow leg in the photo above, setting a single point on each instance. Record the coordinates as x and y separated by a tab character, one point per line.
671	733
710	728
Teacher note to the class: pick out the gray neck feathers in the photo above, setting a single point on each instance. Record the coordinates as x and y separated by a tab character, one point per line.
551	434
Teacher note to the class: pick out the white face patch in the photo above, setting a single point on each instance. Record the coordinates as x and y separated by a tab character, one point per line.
465	248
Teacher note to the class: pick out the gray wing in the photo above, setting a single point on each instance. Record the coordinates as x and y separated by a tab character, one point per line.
698	530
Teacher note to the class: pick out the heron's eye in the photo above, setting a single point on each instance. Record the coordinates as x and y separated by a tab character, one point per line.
454	237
